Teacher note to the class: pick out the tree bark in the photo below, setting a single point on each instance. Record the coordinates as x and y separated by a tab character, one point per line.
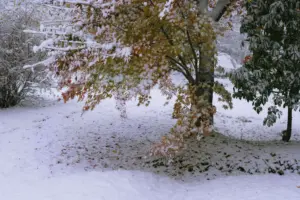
288	133
206	76
206	66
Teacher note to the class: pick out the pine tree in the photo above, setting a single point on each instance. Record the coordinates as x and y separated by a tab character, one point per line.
273	68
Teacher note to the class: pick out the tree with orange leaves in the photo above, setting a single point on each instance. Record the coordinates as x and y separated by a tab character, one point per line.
123	49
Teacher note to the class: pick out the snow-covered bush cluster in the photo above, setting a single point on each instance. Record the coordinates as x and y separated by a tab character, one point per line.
16	83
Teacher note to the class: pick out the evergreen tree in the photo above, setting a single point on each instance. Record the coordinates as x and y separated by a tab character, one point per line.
272	71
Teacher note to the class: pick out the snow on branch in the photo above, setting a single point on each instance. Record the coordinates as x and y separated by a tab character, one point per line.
45	62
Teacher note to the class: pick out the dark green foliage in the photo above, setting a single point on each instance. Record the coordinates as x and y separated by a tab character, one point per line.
273	68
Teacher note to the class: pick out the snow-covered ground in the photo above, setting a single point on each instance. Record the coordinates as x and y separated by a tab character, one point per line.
130	185
48	151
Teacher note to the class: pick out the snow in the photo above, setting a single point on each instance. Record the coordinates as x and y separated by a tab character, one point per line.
49	151
44	44
116	185
166	9
226	62
45	62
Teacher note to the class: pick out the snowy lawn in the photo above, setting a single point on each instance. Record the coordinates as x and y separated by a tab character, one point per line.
51	152
130	185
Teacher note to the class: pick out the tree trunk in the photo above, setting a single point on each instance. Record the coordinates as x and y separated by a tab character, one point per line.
212	79
206	76
288	133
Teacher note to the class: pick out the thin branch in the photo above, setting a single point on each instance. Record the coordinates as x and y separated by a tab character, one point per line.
194	54
166	35
182	64
176	68
183	69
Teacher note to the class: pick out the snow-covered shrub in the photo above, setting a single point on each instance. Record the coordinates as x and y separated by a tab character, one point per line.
15	51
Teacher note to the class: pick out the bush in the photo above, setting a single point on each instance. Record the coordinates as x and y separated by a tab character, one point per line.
16	83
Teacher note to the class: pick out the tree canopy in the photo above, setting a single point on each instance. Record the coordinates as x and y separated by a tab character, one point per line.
123	49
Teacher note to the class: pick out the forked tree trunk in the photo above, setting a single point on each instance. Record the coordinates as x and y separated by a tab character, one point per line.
288	133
